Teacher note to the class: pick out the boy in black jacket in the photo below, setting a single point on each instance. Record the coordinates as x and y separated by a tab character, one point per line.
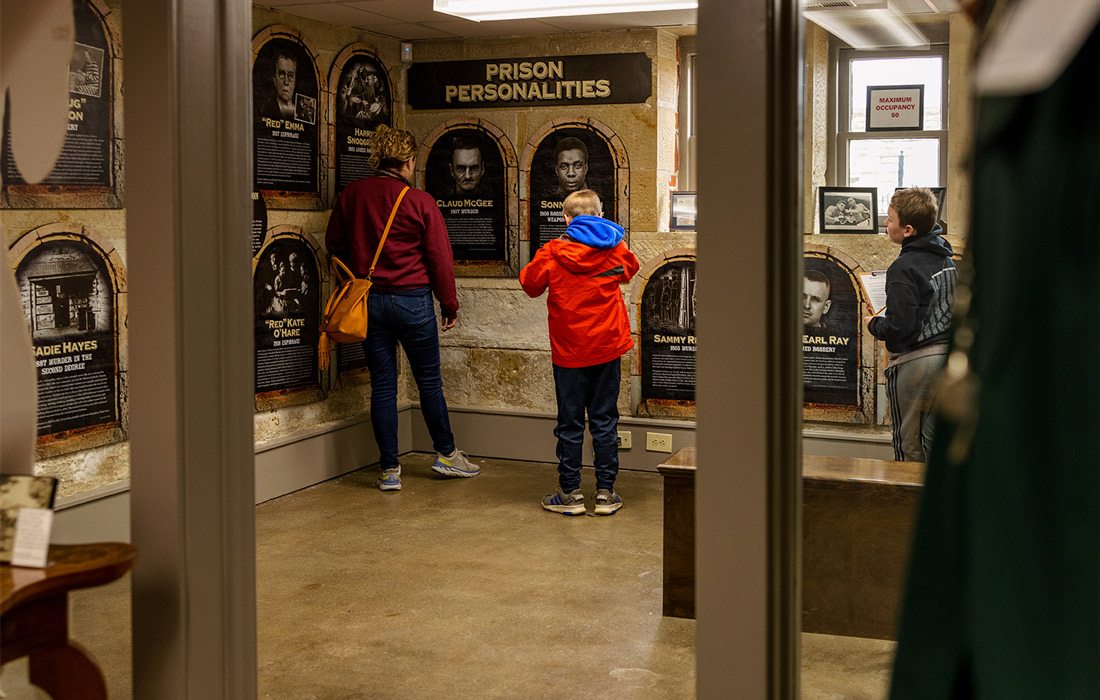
920	286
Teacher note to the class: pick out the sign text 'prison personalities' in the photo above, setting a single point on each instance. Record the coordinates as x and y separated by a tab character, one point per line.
548	80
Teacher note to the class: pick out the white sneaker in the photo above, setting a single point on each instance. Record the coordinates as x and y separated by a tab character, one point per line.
455	464
390	479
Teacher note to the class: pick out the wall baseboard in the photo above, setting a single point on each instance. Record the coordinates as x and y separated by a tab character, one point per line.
312	457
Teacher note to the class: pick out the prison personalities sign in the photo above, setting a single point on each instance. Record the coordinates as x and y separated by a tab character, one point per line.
363	101
286	288
539	81
465	174
85	163
668	332
285	110
831	332
568	159
68	299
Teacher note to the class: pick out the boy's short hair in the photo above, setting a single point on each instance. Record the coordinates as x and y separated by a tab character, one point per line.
582	202
916	207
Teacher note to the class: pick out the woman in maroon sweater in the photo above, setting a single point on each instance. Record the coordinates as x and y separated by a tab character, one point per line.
416	261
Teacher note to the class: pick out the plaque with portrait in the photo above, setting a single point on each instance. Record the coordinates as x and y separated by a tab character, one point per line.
568	159
363	101
286	293
68	296
668	332
285	108
465	174
831	318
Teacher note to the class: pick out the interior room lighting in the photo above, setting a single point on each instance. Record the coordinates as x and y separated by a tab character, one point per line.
484	10
868	28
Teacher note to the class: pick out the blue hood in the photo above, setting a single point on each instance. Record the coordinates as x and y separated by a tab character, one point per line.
595	232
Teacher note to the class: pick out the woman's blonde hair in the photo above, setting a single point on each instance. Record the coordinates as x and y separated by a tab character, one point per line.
391	147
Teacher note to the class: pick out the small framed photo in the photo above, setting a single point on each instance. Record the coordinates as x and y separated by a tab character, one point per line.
848	209
682	211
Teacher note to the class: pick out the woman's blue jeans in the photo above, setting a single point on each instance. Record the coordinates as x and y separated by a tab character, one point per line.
593	390
406	317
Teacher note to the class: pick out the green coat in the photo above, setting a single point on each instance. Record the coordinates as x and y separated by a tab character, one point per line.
1003	596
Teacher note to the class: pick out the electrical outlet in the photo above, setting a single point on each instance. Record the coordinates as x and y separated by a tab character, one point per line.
658	442
624	439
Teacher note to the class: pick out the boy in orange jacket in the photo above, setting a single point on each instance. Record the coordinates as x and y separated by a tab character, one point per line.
589	333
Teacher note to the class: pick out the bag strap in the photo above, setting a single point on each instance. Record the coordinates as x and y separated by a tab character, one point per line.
340	269
386	231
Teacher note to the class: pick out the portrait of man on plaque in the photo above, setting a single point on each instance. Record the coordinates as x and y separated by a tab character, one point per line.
465	174
284	85
831	332
568	159
363	94
465	164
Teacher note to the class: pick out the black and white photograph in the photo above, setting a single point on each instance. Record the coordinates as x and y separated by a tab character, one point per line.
567	160
285	131
682	211
668	333
848	209
465	174
363	101
831	317
69	302
286	293
363	93
86	70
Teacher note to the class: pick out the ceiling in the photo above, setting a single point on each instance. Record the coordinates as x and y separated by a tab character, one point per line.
412	20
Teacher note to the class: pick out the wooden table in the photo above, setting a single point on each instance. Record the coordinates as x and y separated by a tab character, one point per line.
678	598
857	520
35	616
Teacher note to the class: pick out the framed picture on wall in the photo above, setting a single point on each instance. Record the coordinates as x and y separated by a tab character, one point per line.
682	211
848	209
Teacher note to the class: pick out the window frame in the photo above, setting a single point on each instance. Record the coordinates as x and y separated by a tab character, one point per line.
840	58
687	107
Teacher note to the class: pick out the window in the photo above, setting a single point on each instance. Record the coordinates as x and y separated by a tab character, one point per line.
890	159
688	54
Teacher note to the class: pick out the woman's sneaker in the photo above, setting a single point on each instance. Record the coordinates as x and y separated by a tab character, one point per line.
571	503
607	502
390	479
455	464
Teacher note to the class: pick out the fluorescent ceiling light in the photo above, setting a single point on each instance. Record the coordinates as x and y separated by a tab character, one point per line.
863	28
482	10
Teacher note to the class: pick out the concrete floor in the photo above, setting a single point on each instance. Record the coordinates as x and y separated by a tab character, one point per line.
461	589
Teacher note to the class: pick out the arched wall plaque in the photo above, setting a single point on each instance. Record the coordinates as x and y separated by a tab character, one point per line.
287	283
566	155
361	99
72	289
837	378
287	103
470	169
88	173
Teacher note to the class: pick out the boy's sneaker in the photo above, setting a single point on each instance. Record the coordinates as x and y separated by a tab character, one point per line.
455	464
571	503
390	479
607	502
